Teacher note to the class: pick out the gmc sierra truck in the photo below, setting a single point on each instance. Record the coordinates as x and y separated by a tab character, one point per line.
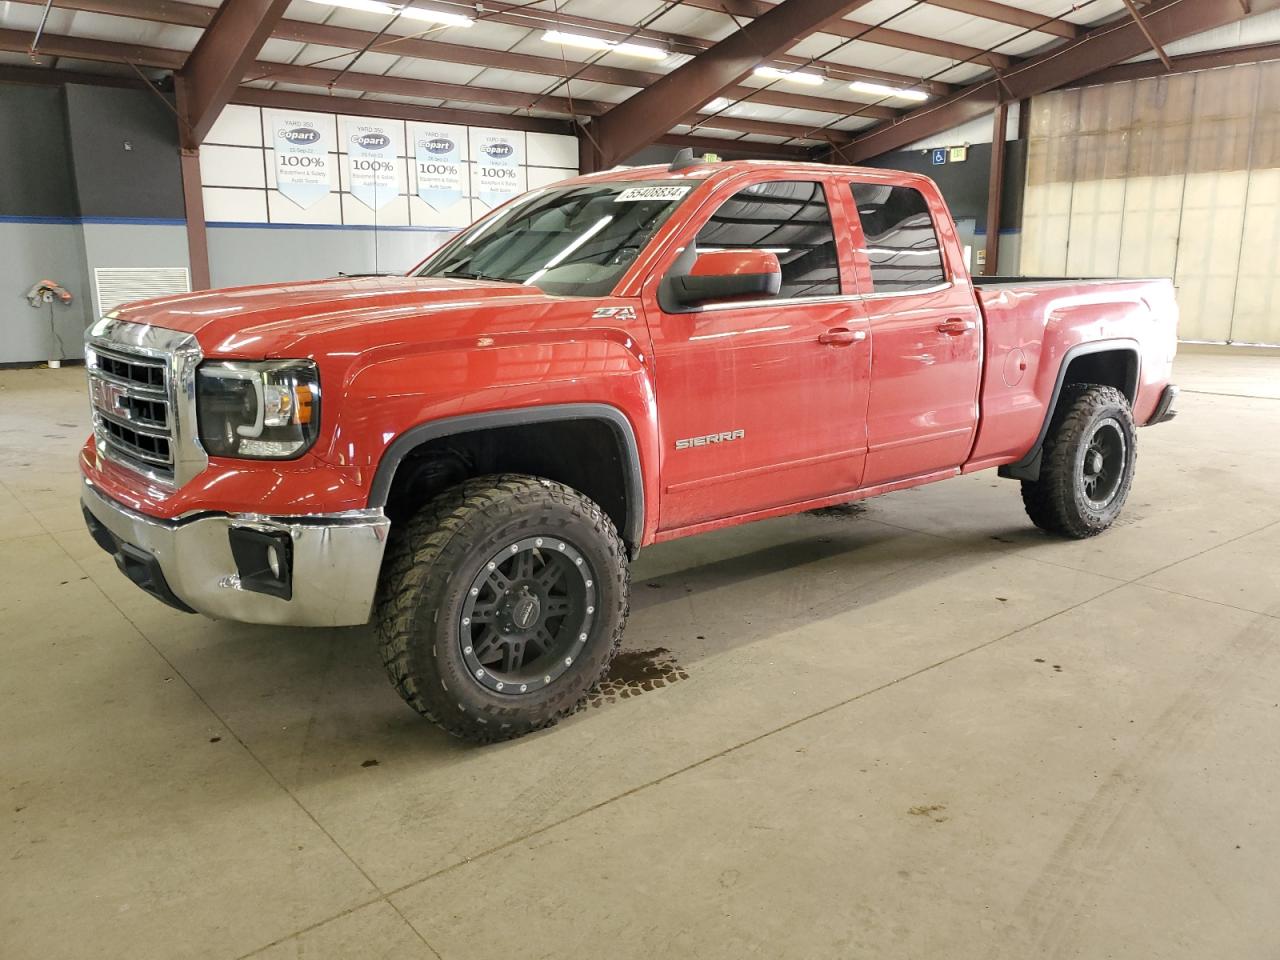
472	454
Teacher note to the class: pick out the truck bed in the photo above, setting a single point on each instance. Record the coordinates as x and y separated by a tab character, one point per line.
1032	327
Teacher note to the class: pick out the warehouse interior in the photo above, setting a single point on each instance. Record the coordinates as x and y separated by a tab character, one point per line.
912	725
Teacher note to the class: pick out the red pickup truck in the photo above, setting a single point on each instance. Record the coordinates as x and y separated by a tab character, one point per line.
471	454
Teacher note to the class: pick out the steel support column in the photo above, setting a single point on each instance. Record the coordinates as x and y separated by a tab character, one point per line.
995	188
197	235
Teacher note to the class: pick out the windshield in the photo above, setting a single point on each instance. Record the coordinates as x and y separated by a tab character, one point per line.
572	241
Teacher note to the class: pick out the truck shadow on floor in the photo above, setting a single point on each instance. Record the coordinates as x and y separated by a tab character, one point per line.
311	693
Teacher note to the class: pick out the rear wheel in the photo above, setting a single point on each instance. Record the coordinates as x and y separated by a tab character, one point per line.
1088	463
502	605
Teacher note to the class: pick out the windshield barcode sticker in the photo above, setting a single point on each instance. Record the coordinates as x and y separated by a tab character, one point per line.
635	194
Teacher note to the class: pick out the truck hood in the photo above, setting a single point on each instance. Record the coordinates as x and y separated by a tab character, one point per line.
263	321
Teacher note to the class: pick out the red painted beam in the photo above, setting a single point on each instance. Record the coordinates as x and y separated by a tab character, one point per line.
1013	16
651	113
1254	53
104	51
867	32
216	66
322	103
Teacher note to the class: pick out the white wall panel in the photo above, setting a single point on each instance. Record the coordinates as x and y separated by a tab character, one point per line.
283	210
234	205
394	214
544	176
551	150
1149	230
238	125
1172	176
232	167
422	214
1257	314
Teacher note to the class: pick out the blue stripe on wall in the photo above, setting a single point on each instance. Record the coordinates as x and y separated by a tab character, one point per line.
77	221
242	225
249	225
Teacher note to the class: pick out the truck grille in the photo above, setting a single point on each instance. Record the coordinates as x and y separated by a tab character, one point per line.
131	408
141	388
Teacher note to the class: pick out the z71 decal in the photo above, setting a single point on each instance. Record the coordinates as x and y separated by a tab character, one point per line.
724	437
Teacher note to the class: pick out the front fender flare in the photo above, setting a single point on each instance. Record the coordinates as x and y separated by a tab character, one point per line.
414	437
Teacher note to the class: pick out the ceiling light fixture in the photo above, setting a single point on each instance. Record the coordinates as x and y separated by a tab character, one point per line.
395	9
588	42
436	16
881	90
795	76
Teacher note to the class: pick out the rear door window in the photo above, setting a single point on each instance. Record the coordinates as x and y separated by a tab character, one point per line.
901	242
789	218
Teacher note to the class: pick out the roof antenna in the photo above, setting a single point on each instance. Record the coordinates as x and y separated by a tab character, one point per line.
685	159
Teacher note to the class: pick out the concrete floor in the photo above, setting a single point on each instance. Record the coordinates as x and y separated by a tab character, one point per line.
924	730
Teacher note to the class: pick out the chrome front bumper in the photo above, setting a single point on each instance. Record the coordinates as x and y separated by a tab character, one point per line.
333	561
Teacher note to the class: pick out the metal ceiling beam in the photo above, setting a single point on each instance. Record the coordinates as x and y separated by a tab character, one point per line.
434	50
1143	69
328	77
288	100
48	77
1146	32
103	51
752	148
179	13
215	67
1112	43
866	32
468	93
107	51
769	128
649	114
1013	16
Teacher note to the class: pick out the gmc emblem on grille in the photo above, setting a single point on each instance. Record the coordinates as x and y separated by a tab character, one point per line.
109	398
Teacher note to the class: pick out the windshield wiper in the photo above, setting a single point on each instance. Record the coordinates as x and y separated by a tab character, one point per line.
470	275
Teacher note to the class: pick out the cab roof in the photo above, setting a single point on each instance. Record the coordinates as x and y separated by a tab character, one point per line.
719	170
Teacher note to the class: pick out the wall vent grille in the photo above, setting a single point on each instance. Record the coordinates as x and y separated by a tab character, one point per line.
114	286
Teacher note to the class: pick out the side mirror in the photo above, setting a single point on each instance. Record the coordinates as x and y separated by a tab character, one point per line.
728	275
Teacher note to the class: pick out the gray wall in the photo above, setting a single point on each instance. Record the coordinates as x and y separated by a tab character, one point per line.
35	155
31	252
243	255
124	148
73	198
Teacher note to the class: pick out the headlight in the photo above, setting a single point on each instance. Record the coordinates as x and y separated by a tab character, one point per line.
264	411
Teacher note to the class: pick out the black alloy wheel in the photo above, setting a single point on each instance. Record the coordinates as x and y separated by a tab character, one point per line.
527	615
501	605
1103	465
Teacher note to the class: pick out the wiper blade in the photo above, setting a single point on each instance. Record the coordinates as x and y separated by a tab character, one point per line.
468	275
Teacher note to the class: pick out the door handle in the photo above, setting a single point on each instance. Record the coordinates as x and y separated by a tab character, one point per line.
842	336
955	327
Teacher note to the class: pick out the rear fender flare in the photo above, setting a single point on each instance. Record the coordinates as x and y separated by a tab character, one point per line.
1028	468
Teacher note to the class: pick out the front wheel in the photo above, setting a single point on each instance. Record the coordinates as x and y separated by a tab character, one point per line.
501	606
1088	463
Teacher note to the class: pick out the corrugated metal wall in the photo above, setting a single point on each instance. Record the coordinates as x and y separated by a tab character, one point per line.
1172	176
